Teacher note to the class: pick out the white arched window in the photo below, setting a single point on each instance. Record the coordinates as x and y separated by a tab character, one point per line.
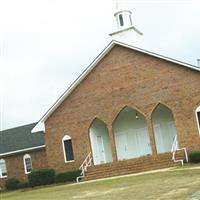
67	149
3	169
198	118
27	164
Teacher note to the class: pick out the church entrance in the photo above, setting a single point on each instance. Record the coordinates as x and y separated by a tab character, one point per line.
164	128
131	134
100	142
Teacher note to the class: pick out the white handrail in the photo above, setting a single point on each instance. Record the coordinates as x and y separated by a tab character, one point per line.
174	144
86	163
175	148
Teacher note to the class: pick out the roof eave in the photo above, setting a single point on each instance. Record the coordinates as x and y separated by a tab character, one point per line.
126	29
40	126
22	150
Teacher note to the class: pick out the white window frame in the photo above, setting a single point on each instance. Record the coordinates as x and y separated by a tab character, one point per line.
26	156
197	110
1	176
66	137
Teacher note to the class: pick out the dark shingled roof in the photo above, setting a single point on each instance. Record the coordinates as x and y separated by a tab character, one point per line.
19	138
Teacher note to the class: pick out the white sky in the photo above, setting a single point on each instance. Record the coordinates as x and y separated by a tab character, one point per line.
46	44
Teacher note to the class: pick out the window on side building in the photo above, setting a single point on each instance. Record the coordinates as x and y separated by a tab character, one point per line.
3	169
27	164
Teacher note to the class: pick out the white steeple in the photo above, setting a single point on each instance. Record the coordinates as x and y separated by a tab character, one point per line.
123	19
125	31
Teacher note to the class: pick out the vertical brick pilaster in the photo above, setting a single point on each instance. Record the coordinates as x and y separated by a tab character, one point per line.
151	135
112	142
183	139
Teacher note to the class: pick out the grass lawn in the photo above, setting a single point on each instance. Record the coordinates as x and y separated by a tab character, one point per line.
171	185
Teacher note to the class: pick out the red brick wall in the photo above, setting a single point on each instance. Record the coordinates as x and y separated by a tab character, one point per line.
15	164
124	77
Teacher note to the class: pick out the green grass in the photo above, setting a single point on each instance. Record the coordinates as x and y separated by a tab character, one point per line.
177	184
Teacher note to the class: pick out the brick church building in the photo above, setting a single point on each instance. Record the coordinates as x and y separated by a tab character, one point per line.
127	112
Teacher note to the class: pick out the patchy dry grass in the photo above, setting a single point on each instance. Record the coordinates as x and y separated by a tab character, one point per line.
173	184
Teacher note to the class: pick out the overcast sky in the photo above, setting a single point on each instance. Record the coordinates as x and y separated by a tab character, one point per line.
46	44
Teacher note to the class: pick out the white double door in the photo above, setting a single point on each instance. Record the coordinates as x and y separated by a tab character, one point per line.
164	136
101	157
132	143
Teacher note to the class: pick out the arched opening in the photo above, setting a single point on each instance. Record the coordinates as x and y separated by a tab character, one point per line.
67	149
164	128
3	169
100	142
198	118
27	163
131	134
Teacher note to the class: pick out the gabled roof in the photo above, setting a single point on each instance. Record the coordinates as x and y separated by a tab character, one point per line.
40	125
20	139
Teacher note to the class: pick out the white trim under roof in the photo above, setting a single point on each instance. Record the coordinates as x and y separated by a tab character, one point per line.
40	125
126	29
22	150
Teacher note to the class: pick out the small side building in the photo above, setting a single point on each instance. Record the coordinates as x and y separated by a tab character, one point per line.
20	152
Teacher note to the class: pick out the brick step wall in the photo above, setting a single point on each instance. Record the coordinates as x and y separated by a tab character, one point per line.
136	165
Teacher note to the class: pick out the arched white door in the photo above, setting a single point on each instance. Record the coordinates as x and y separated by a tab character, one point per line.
164	128
100	142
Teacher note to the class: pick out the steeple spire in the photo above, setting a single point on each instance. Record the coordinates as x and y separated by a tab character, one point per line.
125	32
